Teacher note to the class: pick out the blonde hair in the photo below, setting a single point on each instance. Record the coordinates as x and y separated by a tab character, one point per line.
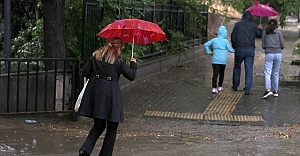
109	53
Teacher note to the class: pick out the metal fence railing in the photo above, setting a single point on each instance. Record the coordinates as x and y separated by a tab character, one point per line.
38	85
170	15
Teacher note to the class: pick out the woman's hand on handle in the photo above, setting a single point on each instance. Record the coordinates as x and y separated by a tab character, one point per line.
133	59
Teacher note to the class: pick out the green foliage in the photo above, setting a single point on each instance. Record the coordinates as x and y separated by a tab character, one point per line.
283	7
73	15
194	22
137	51
178	43
239	5
30	41
192	11
22	66
297	48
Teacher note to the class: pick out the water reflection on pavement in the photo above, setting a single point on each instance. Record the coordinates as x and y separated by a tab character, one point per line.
31	142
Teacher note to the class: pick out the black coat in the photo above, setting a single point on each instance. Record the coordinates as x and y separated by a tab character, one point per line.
102	98
244	33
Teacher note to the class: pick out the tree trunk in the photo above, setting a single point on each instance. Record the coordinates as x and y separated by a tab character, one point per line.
37	10
54	31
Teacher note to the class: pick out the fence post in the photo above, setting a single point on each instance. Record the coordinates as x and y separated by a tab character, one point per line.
7	31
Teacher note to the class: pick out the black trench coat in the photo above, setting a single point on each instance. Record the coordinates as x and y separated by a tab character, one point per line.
102	98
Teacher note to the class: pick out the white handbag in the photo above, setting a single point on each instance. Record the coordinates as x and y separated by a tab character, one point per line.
77	105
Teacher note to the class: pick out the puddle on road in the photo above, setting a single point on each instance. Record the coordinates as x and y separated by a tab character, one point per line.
27	142
33	142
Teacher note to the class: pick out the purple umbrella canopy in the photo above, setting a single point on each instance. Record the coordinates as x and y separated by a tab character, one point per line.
262	10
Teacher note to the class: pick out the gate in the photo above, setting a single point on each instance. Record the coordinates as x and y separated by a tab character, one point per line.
38	85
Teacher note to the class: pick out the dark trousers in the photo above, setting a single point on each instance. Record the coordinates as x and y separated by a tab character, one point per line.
94	134
218	70
246	55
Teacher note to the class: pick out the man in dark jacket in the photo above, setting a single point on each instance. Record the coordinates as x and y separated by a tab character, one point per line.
243	41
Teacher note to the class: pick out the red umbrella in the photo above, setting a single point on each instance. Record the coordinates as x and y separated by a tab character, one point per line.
262	10
134	31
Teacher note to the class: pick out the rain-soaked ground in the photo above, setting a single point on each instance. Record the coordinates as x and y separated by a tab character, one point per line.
141	136
184	89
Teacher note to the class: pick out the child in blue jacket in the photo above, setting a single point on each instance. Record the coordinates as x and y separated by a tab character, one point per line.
219	57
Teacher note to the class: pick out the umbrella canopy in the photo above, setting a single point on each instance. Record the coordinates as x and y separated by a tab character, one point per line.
134	31
262	10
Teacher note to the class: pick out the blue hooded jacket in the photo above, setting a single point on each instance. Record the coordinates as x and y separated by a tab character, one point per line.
220	44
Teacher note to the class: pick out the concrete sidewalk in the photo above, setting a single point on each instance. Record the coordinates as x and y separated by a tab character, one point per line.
185	91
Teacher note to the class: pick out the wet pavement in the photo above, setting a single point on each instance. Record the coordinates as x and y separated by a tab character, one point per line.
175	114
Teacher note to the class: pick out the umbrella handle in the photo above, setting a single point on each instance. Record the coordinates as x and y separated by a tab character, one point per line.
132	44
260	20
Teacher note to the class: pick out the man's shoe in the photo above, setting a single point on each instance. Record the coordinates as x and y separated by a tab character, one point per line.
82	152
247	93
235	89
275	94
266	94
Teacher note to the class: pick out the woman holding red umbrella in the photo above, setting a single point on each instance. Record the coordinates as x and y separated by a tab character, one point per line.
102	99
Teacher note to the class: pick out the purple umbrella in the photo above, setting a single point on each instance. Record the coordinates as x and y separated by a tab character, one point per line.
262	10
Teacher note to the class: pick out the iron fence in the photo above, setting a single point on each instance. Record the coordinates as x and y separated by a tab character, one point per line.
38	85
169	15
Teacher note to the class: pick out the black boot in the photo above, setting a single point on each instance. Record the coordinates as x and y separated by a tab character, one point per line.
82	152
